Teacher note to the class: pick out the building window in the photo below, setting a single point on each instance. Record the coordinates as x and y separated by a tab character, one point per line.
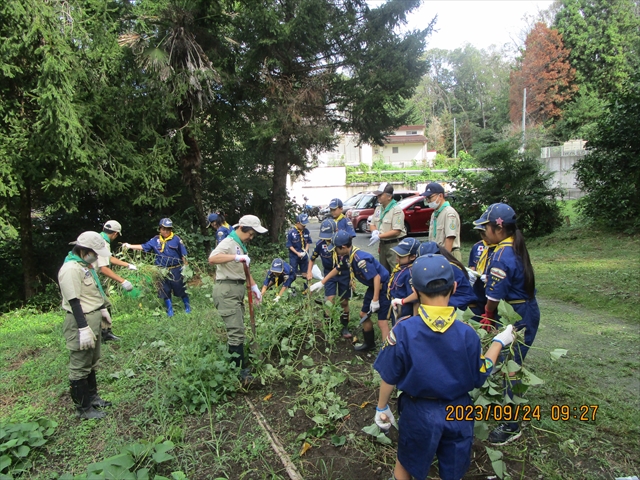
376	151
394	149
412	132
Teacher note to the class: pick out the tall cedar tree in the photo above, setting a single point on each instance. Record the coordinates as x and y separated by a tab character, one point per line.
547	75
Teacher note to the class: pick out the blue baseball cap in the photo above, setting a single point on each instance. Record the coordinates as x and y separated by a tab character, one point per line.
277	266
429	268
427	248
432	188
335	203
166	223
327	228
408	246
498	213
340	239
303	218
213	217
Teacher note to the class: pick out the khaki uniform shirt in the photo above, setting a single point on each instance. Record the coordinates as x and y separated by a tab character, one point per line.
76	281
103	261
230	270
393	220
447	224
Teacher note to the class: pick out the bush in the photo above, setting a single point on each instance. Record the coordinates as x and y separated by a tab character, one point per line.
610	173
517	179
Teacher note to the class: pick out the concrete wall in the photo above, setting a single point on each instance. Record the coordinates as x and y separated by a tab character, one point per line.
319	186
563	174
408	154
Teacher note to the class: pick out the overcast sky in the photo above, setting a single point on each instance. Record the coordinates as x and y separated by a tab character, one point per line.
479	22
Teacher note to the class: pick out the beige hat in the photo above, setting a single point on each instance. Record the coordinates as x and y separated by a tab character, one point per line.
251	221
93	241
113	226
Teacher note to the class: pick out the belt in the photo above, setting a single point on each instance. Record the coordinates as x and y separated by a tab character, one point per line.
393	240
455	248
236	282
515	302
170	267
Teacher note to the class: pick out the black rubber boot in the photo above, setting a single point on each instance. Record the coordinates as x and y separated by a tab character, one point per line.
241	362
82	400
368	344
344	320
108	335
96	401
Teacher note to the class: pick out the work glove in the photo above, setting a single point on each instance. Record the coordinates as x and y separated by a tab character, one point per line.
316	286
375	306
487	321
126	246
126	284
106	318
86	338
243	258
257	295
390	420
506	337
301	255
131	266
277	299
375	237
396	306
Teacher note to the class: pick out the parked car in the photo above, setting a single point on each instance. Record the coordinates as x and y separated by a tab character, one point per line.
346	205
359	213
417	214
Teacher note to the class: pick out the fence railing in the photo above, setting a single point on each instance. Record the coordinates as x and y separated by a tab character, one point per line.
563	151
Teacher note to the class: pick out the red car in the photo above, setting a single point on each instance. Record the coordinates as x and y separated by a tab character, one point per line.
365	207
417	214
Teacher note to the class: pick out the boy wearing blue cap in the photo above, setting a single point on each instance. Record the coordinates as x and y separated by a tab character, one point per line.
343	223
364	267
400	279
510	277
453	352
340	284
170	254
219	224
279	274
298	241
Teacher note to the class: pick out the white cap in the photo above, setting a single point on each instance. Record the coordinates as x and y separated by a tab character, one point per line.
251	221
114	226
93	241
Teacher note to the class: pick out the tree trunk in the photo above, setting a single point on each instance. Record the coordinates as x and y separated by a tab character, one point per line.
192	176
279	193
29	274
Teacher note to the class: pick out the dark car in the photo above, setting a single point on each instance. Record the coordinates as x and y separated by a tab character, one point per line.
417	214
366	206
346	205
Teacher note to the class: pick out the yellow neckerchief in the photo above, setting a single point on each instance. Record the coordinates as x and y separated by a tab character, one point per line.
438	319
484	257
304	245
340	217
395	270
163	241
507	242
225	225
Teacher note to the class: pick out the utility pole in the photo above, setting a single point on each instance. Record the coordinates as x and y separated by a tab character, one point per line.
524	112
455	145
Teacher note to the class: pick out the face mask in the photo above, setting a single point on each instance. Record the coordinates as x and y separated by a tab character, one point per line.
433	205
90	257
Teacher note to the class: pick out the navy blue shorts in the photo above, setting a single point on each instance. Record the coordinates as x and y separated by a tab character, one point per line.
425	432
338	285
172	282
530	313
299	265
385	303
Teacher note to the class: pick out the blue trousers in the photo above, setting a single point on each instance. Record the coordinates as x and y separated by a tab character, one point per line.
172	282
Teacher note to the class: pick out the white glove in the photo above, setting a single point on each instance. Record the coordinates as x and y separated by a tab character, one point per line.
131	266
87	338
256	292
397	302
316	286
301	255
375	237
277	299
483	278
375	306
391	420
127	285
506	337
243	258
126	246
106	317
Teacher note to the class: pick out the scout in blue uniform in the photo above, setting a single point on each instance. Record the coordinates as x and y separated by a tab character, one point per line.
280	274
222	228
298	243
480	267
510	277
368	271
400	278
343	223
170	254
340	284
453	352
